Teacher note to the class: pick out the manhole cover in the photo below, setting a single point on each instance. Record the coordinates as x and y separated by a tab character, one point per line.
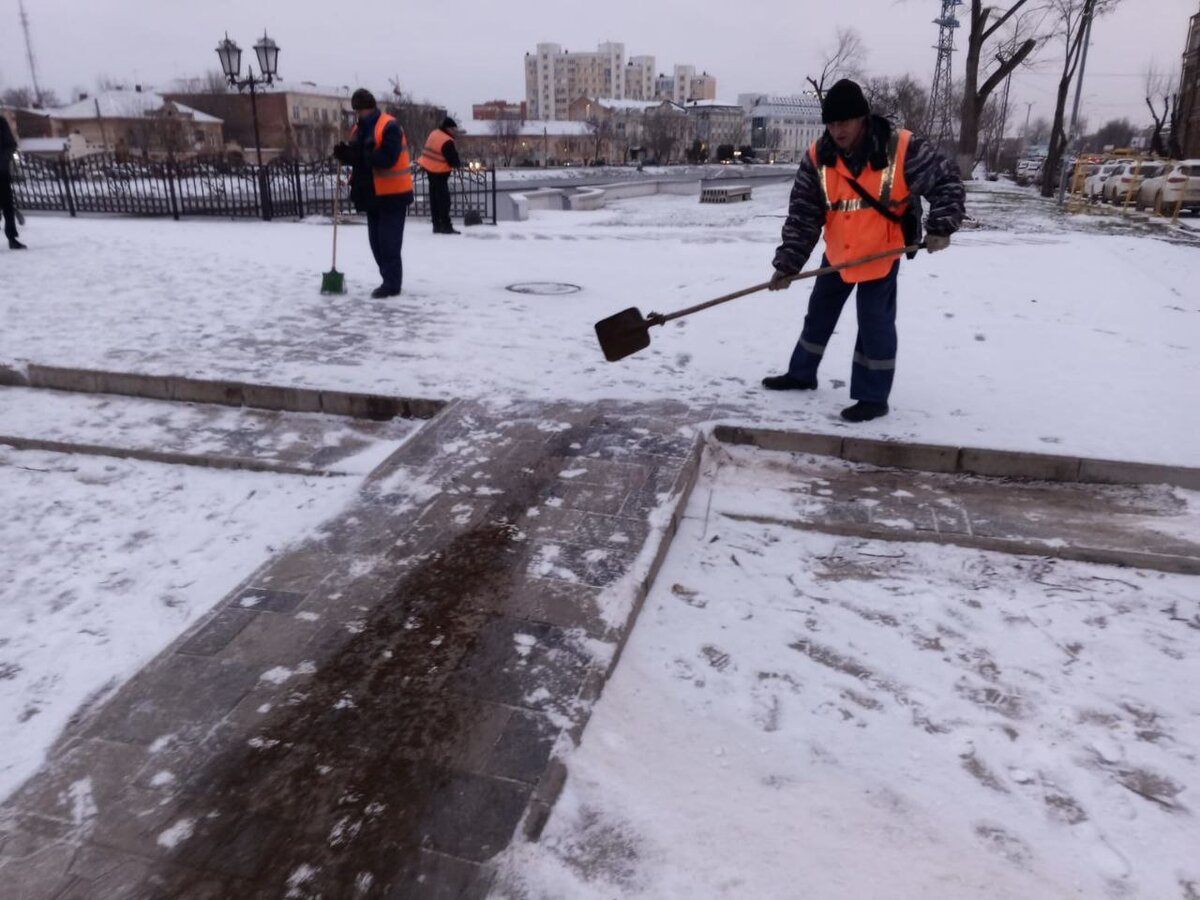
543	287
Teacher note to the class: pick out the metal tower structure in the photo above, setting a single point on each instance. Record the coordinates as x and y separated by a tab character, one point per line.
939	116
37	91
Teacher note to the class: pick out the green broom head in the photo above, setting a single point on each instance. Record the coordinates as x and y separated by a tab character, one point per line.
333	282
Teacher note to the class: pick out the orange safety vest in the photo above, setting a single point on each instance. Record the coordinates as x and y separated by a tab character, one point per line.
398	179
431	157
854	229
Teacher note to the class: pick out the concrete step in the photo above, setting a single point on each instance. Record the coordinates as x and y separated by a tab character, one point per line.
1143	526
197	433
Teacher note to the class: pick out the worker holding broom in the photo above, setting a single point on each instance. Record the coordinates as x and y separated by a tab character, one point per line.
861	182
381	184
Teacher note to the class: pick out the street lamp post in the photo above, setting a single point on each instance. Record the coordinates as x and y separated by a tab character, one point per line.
230	55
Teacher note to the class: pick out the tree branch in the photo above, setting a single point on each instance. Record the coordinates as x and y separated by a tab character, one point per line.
999	23
1006	66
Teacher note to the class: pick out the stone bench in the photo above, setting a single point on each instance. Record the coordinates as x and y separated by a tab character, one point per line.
727	193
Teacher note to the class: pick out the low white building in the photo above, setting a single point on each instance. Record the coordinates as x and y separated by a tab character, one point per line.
70	146
782	127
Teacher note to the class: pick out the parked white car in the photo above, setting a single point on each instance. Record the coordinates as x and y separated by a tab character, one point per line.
1177	184
1094	185
1127	178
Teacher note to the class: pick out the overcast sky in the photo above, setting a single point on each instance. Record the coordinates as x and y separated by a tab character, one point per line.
466	52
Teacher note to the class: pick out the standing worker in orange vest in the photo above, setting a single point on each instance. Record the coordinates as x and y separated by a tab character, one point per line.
438	159
860	182
381	185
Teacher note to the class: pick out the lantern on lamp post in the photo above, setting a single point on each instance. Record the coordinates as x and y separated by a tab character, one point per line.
230	55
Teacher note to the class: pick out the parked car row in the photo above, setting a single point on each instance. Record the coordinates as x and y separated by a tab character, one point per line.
1158	185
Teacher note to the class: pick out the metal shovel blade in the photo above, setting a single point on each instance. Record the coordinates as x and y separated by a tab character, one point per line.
623	334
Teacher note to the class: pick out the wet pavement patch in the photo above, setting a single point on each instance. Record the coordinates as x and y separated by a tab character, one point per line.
381	723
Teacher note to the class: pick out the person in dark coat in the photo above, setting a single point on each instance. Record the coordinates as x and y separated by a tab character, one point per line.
381	185
8	149
861	183
439	159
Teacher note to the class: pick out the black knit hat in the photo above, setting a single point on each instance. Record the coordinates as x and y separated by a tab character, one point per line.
448	123
843	101
362	99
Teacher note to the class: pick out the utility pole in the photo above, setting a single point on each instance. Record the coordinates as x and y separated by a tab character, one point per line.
1088	8
37	91
1025	133
939	124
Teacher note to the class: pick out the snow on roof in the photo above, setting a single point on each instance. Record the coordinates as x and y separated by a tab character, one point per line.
124	105
715	103
534	128
42	144
611	103
309	87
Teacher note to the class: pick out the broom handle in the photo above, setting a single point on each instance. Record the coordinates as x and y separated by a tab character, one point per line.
336	193
659	318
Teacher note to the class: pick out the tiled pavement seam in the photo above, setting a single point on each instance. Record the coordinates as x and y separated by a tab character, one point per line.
380	707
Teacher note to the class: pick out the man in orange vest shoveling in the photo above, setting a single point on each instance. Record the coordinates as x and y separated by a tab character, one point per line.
438	159
860	182
381	185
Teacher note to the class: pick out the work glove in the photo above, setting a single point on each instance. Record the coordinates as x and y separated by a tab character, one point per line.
343	153
936	242
780	281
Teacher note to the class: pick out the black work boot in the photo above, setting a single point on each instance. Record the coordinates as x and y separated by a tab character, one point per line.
14	244
864	411
786	382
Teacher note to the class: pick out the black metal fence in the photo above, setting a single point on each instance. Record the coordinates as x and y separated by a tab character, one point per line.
279	189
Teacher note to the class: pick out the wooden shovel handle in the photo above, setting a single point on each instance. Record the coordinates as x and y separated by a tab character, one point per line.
661	318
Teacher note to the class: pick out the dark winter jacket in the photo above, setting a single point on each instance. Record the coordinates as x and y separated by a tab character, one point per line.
451	153
365	157
8	146
929	175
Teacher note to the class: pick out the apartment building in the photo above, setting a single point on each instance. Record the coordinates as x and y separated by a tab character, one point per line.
639	78
1189	92
782	128
555	78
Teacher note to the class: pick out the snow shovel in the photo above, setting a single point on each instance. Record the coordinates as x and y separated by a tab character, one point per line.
628	332
333	281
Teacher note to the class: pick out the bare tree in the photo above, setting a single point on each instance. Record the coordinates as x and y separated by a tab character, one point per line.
902	100
844	59
24	97
985	23
1159	85
1071	21
1113	133
600	127
507	130
211	82
664	128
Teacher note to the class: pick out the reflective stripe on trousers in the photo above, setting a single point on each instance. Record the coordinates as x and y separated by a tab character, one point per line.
874	360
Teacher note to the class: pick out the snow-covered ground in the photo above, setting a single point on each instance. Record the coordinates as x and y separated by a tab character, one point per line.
1030	335
800	715
106	561
816	717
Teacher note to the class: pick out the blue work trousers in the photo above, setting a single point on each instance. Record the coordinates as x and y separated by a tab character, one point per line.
875	347
385	231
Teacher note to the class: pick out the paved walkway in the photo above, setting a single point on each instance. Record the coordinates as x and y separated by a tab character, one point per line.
375	713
